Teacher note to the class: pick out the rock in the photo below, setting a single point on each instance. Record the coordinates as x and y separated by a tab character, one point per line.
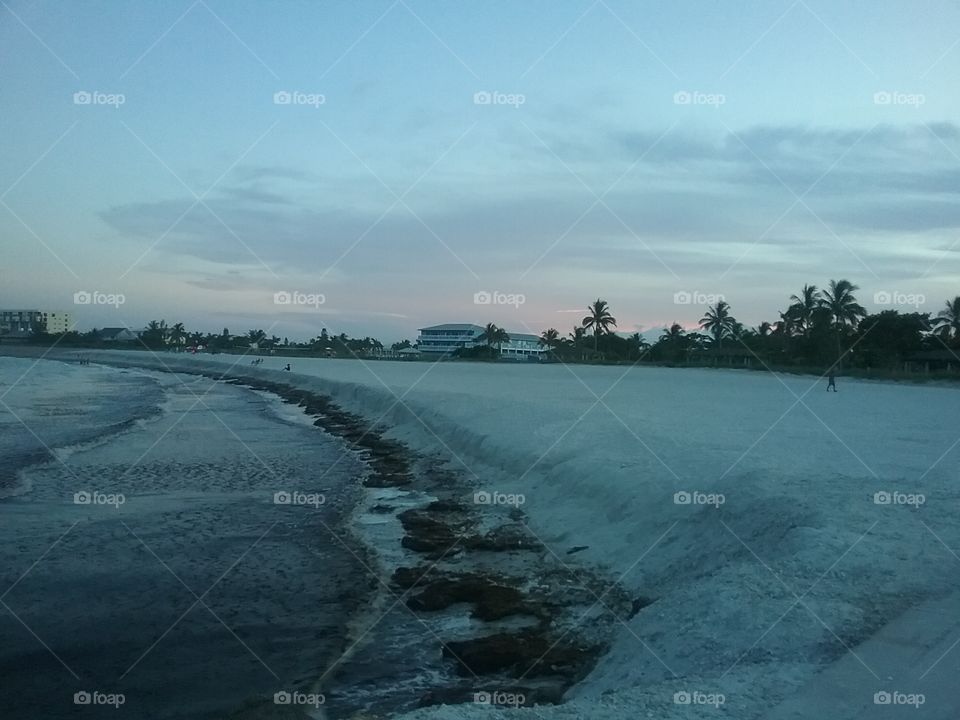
491	601
527	653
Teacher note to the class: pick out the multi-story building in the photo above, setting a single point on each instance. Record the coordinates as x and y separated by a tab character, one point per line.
449	338
522	346
24	321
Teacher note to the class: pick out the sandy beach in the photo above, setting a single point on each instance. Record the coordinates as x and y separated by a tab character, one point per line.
777	553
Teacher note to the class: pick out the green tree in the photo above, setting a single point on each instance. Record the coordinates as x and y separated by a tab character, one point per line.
948	320
803	307
844	310
599	320
719	322
494	336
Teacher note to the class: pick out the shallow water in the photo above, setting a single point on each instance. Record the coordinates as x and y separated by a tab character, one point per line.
181	585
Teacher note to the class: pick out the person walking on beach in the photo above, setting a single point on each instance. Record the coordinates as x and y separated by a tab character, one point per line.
831	381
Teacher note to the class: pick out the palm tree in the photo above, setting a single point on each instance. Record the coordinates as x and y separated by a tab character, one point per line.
803	306
156	333
576	337
550	338
255	337
948	319
719	322
599	319
675	334
178	334
494	335
638	345
839	301
764	329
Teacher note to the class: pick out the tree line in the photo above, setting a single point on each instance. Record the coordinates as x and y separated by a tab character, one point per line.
820	327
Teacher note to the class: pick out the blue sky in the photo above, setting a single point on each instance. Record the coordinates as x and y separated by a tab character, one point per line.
631	150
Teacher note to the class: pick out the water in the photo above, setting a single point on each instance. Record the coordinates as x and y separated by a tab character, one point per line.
181	585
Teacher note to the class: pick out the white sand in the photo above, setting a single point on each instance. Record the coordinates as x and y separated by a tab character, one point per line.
768	600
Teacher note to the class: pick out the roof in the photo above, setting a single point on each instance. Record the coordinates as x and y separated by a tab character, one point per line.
453	326
106	333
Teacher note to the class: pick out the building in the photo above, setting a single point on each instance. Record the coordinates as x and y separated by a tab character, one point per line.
116	334
448	338
25	321
522	346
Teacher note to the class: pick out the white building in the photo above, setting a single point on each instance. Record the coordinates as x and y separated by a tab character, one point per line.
20	321
450	337
522	346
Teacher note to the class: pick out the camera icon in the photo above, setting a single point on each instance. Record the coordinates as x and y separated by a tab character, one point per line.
682	498
682	698
482	498
82	98
882	298
282	698
82	498
282	498
82	698
482	98
282	298
682	298
282	97
882	498
882	98
482	298
682	98
882	698
482	698
82	298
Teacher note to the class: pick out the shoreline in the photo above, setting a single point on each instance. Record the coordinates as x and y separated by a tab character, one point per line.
476	580
940	378
448	558
800	512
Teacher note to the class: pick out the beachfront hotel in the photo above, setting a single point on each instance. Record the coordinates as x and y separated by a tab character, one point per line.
24	321
446	339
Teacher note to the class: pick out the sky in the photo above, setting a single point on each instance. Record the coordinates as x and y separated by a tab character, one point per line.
385	165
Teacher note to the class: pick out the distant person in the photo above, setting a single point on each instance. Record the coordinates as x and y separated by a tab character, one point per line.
831	381
287	367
